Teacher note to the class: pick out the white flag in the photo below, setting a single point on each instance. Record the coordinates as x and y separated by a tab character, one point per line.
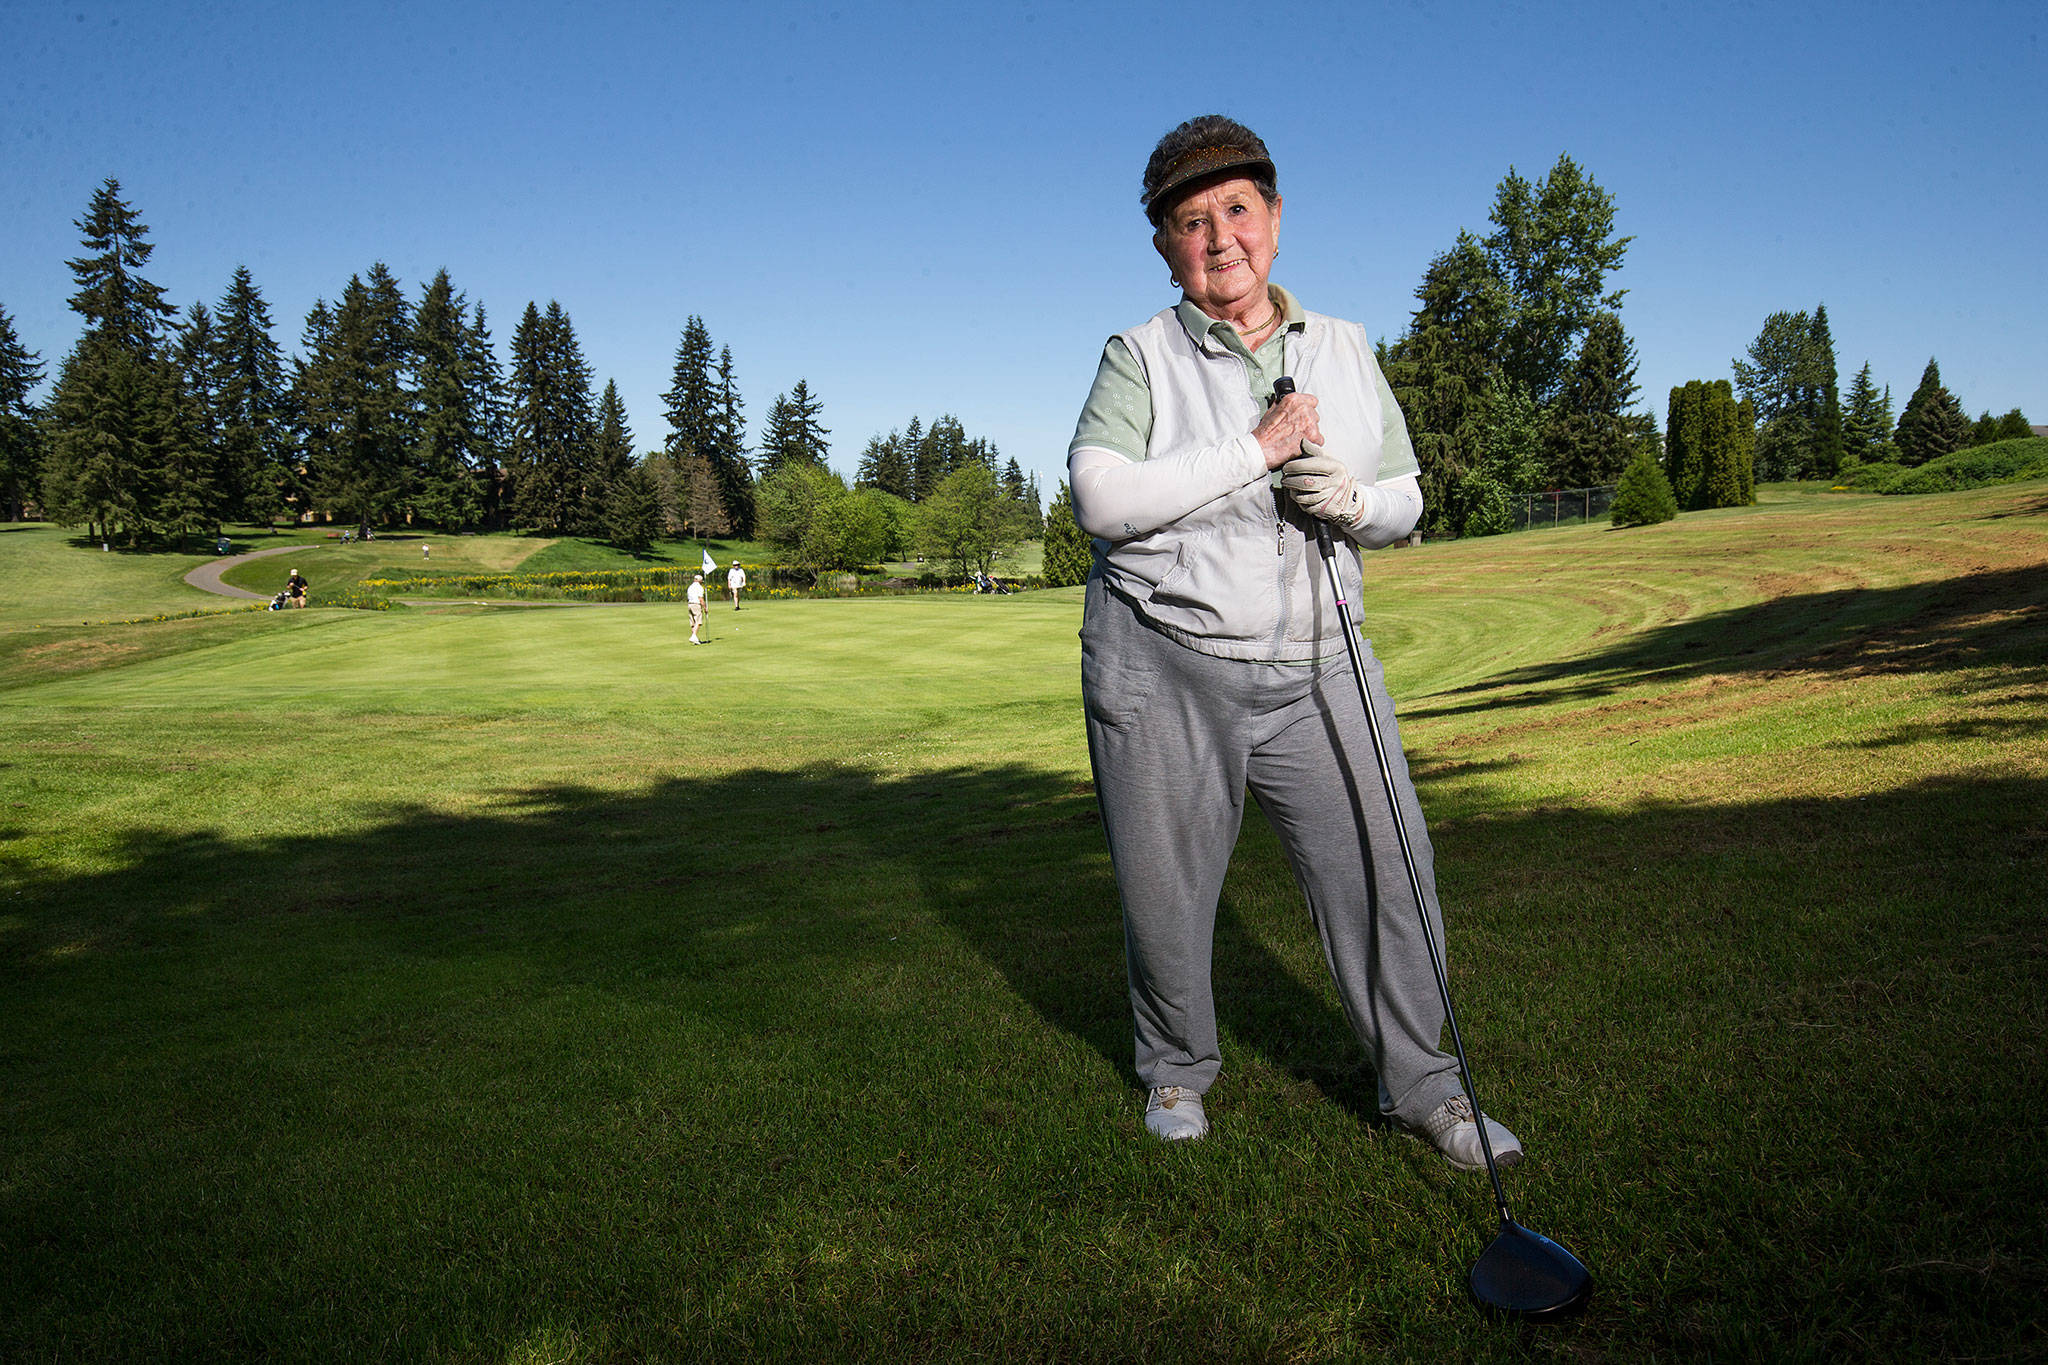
710	564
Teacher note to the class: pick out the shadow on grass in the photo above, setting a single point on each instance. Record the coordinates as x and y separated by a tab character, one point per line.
696	1068
1947	625
602	885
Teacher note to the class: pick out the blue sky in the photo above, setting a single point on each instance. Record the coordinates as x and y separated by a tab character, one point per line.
931	208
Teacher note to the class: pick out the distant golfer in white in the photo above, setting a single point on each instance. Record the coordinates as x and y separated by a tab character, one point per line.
695	597
735	579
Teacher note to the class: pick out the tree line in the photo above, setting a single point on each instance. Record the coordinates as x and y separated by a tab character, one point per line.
1784	418
932	492
163	427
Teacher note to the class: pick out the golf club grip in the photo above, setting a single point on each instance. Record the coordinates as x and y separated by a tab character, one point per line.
1283	386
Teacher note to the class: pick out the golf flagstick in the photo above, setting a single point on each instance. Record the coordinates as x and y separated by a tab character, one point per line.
1521	1273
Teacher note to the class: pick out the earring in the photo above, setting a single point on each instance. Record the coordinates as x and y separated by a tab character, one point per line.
1175	279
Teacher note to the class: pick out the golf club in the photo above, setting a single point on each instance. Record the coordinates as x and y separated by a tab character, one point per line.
1522	1274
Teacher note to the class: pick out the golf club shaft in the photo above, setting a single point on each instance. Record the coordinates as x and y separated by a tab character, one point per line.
1327	545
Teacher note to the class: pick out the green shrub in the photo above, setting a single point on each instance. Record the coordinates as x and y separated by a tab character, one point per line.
1874	476
1644	496
1976	467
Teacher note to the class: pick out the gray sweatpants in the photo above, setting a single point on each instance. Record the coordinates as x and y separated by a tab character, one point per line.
1176	737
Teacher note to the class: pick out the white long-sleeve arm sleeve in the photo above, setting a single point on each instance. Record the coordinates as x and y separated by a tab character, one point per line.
1116	497
1391	511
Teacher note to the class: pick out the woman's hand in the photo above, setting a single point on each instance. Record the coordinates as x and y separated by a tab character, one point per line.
1285	426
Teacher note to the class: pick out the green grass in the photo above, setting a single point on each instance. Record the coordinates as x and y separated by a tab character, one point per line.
527	984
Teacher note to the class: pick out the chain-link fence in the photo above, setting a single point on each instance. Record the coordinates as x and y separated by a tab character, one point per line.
1559	506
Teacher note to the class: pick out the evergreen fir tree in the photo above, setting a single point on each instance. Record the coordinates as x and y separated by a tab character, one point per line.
184	495
809	433
1069	553
1590	433
1644	495
191	498
306	402
728	456
253	403
21	432
2014	426
882	466
112	298
777	441
551	420
1866	418
1820	378
1933	423
101	413
113	416
356	404
632	509
611	460
920	476
444	485
492	416
1442	370
794	436
692	399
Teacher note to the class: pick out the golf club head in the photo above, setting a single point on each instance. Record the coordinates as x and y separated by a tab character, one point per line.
1524	1274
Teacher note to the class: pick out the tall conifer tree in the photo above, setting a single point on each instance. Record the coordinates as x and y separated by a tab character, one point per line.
794	435
1933	423
487	404
611	459
1821	390
1442	372
115	416
1866	418
253	403
551	420
190	496
113	297
1590	433
728	455
445	484
21	432
691	401
357	404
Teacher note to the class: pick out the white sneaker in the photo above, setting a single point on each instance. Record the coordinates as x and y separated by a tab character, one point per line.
1451	1130
1173	1113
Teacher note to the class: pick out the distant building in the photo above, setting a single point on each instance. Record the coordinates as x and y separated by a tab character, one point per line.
2040	430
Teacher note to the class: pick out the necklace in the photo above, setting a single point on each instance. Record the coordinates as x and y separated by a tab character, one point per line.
1254	331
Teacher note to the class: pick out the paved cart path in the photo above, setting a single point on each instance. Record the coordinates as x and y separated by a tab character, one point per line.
206	577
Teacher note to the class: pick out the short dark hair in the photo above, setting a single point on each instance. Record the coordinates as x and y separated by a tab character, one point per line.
1200	148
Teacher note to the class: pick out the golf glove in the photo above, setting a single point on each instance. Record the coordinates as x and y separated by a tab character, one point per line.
1322	487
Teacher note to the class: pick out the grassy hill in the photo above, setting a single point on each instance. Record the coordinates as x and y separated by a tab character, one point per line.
527	984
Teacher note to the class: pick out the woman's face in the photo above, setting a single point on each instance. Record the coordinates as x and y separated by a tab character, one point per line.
1219	243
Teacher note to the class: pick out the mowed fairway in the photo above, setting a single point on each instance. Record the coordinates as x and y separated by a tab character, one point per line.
526	984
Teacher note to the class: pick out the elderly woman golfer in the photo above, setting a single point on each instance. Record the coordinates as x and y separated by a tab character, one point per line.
1212	655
